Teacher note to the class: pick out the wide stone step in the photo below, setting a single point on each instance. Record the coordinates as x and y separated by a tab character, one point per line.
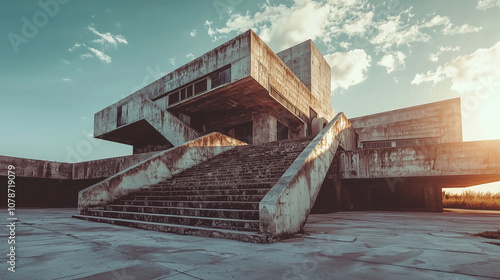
247	205
234	224
240	214
221	182
206	186
213	197
246	236
160	192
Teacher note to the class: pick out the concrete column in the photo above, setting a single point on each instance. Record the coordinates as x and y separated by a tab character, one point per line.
265	128
433	196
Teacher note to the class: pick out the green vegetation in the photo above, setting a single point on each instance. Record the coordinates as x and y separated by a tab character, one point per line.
472	200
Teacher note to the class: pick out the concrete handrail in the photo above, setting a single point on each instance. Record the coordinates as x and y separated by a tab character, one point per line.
284	209
156	169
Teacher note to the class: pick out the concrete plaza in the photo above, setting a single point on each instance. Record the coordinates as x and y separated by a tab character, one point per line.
346	245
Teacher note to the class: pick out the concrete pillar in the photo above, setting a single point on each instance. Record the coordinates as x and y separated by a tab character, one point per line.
433	196
265	127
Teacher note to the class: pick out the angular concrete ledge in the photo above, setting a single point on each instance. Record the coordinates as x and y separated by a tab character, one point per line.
156	169
284	210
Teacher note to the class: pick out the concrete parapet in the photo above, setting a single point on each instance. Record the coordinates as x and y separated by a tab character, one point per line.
156	169
284	210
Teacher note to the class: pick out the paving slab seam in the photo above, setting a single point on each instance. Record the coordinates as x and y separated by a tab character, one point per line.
424	269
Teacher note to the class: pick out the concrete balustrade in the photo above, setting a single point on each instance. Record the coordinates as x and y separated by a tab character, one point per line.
284	209
156	169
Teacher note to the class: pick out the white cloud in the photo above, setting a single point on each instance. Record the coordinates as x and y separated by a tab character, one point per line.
434	57
190	56
394	33
348	68
64	61
450	29
345	45
282	26
107	38
211	32
86	55
102	56
393	61
75	46
467	72
436	21
486	4
172	61
67	80
193	33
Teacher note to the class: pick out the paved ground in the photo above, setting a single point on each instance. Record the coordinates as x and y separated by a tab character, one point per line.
348	245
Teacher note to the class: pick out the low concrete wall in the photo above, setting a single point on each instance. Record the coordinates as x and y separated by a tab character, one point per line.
95	169
156	169
285	208
32	168
447	159
103	168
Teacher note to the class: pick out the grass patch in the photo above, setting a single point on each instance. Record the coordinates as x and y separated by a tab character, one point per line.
472	200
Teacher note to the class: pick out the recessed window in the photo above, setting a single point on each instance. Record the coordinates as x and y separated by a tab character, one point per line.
282	131
221	77
189	91
173	98
200	86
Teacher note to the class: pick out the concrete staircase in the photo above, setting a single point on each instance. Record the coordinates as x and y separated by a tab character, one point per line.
218	198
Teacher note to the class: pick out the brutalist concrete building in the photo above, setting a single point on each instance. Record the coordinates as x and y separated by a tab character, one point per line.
243	143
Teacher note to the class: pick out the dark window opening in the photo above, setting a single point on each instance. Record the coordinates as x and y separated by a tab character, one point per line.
183	93
221	77
200	86
282	131
119	117
189	91
244	132
173	98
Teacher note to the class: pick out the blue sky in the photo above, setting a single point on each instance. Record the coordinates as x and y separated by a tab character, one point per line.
62	61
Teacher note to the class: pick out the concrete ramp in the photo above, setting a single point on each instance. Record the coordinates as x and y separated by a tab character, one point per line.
285	208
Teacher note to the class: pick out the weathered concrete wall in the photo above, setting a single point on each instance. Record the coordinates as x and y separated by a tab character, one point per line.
36	168
104	168
309	65
95	169
264	128
236	53
269	70
440	119
156	169
141	108
173	129
284	209
447	159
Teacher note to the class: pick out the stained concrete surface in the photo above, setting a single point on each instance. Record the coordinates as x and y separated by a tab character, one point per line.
346	245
